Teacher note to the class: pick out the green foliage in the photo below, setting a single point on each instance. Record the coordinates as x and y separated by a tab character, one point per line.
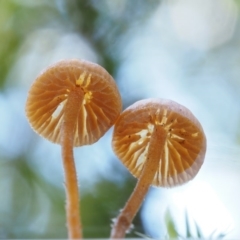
101	206
195	233
17	21
170	225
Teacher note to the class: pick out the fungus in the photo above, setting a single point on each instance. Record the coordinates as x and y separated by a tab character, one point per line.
73	103
162	144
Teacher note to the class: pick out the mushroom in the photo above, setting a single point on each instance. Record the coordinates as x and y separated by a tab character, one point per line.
73	103
162	144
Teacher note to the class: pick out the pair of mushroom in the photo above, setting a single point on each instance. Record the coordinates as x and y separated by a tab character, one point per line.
73	103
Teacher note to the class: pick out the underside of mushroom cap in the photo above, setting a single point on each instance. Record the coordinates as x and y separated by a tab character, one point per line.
47	97
184	149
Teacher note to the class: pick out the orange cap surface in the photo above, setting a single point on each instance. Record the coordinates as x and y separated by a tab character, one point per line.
184	149
47	97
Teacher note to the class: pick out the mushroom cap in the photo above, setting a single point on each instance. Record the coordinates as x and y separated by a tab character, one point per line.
184	149
49	92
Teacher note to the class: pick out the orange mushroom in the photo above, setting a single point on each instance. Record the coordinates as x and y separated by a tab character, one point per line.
73	103
162	144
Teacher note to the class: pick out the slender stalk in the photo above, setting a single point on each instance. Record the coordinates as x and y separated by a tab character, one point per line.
124	220
72	107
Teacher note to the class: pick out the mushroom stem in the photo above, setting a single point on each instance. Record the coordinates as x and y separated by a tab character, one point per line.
72	107
155	150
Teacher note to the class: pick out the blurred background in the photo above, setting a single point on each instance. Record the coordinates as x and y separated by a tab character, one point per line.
184	50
